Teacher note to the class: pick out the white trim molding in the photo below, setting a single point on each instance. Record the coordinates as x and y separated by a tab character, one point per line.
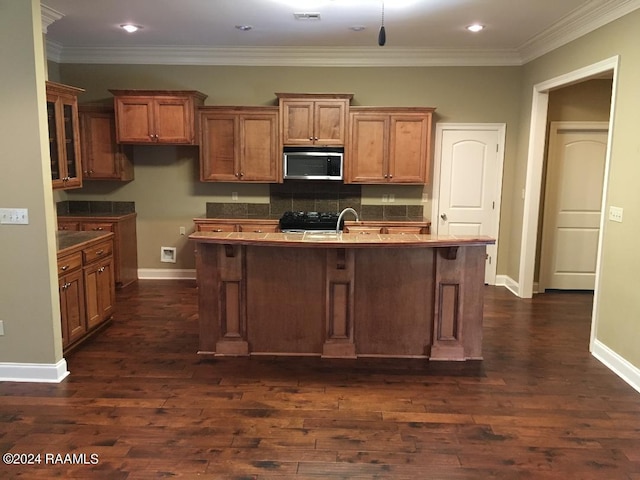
509	283
617	364
34	372
166	274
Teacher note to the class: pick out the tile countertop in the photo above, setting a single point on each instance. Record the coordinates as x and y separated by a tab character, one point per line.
67	241
340	240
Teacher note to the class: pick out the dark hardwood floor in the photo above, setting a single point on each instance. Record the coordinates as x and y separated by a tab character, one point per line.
139	399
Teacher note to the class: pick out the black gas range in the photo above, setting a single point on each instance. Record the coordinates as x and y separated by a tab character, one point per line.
303	221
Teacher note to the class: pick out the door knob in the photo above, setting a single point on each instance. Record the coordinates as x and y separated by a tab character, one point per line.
444	217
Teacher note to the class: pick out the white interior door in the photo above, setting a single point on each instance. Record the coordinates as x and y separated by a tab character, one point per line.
468	184
573	196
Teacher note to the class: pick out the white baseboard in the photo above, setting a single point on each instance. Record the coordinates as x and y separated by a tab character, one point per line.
166	274
617	364
34	372
509	283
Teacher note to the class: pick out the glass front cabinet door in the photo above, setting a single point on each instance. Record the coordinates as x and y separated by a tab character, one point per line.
64	135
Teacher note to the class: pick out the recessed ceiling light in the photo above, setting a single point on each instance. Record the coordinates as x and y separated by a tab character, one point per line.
476	27
244	28
306	15
357	28
129	27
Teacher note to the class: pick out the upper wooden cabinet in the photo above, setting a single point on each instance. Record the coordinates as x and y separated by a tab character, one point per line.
64	135
314	119
389	145
102	157
157	116
239	144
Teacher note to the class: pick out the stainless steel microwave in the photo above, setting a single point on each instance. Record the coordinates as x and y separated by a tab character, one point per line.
313	163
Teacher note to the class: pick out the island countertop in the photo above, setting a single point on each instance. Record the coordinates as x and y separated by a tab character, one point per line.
310	239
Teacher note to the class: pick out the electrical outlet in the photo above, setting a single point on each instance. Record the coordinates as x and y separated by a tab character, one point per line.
1	328
615	214
385	198
14	216
183	231
392	198
234	196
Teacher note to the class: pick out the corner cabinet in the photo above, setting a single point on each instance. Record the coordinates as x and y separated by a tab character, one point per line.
389	145
102	157
314	119
157	116
64	135
239	144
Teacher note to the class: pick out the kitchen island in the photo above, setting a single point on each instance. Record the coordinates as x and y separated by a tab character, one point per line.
342	295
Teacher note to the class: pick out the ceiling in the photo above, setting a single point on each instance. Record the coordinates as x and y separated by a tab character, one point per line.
420	32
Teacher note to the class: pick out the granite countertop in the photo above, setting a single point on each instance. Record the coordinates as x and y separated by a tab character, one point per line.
340	240
68	240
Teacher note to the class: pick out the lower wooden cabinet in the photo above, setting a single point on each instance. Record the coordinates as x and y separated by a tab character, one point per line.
125	252
87	289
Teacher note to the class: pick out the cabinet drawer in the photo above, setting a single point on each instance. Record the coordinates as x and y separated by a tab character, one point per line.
97	227
259	227
408	230
216	227
69	226
362	230
69	263
101	250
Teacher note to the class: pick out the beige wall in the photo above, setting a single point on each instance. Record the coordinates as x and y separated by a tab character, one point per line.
29	305
166	188
618	303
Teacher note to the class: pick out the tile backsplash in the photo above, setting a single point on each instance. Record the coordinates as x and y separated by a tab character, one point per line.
311	196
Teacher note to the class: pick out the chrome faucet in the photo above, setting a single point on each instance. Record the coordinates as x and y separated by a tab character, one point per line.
346	210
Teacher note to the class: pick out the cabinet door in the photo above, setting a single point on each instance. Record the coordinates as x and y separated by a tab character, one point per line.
72	307
173	120
330	122
297	122
259	147
102	157
218	154
368	155
99	291
64	141
408	149
135	120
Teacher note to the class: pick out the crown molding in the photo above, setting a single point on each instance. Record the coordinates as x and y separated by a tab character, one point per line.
287	56
578	23
48	16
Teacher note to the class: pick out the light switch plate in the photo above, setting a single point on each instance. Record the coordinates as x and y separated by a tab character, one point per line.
615	214
14	216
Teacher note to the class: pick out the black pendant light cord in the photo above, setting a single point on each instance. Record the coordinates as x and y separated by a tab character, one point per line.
382	36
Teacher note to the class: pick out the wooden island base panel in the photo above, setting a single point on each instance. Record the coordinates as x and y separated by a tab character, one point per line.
340	296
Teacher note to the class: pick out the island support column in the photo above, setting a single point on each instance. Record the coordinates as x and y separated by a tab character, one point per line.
458	303
339	332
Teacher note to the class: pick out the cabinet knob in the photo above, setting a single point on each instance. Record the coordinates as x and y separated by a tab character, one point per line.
101	269
64	267
99	229
311	139
99	252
